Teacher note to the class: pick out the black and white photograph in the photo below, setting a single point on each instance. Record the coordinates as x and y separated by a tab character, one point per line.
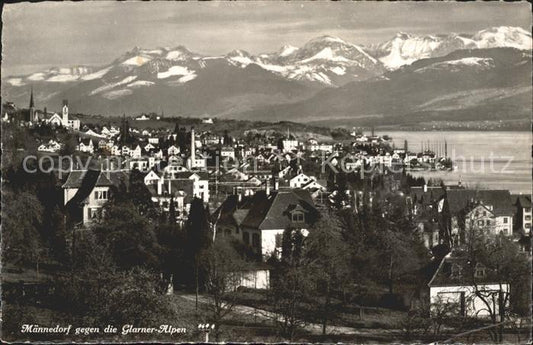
266	172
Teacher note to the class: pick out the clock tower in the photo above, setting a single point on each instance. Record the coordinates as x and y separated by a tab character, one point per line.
65	113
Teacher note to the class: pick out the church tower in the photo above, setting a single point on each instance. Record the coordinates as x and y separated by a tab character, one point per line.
65	113
33	115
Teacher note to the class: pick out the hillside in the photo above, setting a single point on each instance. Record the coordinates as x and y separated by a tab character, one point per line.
480	84
474	77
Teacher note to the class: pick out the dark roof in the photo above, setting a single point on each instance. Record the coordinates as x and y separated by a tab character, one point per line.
76	178
271	212
231	211
187	174
240	214
432	194
459	199
455	269
87	181
524	201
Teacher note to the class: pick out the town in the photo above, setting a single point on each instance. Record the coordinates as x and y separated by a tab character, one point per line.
288	223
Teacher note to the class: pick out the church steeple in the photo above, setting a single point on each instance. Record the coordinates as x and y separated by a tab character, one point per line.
33	115
32	105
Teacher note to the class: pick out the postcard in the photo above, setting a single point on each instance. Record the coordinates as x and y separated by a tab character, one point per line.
266	172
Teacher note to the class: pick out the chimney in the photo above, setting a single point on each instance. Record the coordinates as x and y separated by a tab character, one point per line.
169	187
159	187
276	184
425	188
267	187
193	149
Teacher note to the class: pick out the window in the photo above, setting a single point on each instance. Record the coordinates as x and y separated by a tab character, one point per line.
488	221
255	240
479	272
100	195
527	209
246	237
297	217
456	271
505	220
527	217
93	213
279	240
484	213
527	225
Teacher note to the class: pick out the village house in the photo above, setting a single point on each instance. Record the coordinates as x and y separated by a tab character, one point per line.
227	152
149	147
314	186
136	153
523	213
91	133
65	121
51	146
235	174
85	192
143	117
199	182
153	140
173	150
290	145
179	191
85	145
151	178
299	180
465	289
488	210
270	215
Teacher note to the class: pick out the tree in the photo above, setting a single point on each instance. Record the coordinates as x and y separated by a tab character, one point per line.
21	218
199	238
399	243
327	255
69	146
223	270
499	258
135	191
105	294
291	284
172	211
172	241
130	236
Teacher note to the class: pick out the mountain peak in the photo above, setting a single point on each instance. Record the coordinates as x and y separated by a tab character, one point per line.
287	50
238	52
327	39
403	35
507	29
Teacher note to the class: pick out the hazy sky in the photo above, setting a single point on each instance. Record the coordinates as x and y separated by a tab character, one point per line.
42	35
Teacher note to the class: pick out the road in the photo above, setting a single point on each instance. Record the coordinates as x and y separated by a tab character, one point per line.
313	328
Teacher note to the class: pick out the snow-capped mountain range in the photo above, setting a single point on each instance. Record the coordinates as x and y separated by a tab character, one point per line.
404	48
193	84
327	60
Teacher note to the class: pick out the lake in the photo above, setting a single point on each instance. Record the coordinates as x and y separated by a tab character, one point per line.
496	160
